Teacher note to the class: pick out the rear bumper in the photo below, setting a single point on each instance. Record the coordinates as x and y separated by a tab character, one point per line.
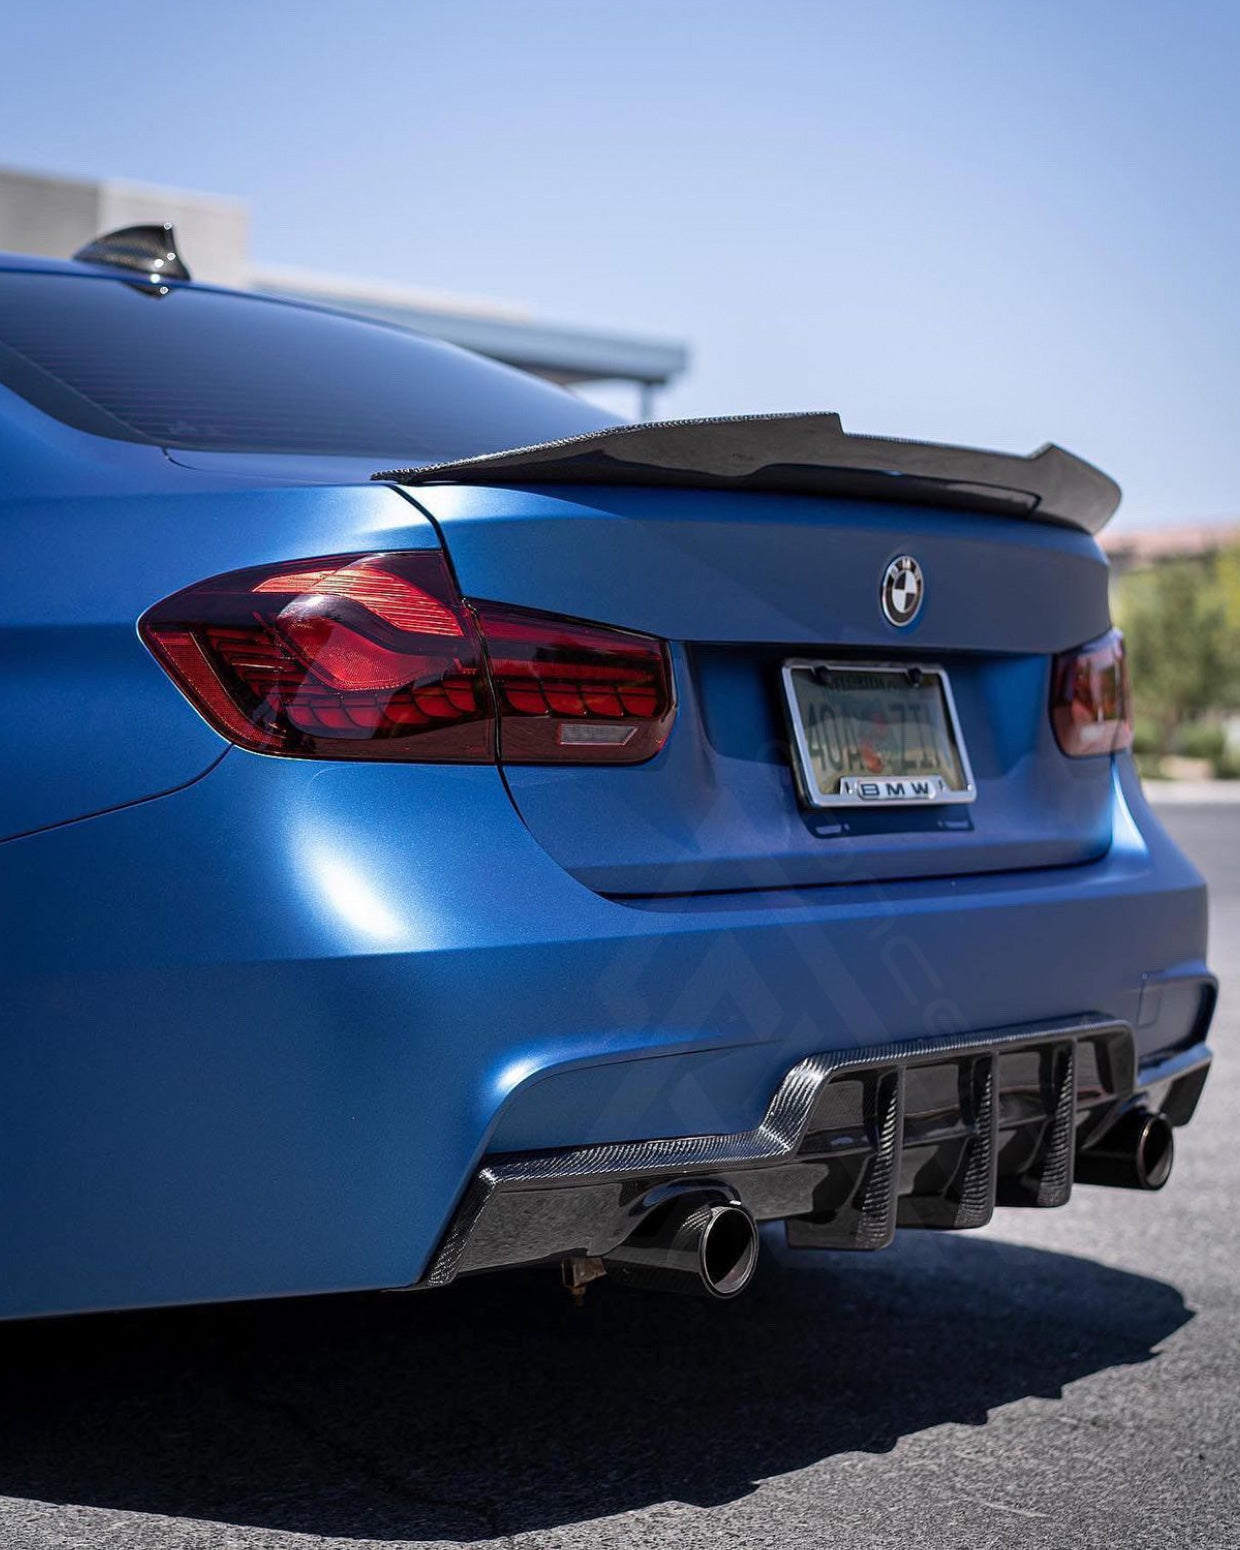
264	1032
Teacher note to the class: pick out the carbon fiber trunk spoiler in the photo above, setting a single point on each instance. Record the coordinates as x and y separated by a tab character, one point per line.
805	454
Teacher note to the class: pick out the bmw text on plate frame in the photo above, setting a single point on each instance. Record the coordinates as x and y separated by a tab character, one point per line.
867	733
340	728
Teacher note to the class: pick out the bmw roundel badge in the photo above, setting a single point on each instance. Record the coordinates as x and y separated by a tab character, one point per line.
903	590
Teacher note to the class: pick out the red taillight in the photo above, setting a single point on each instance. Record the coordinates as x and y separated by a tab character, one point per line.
568	693
378	657
1091	701
356	657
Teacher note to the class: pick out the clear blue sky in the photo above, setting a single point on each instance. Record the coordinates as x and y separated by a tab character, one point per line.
982	222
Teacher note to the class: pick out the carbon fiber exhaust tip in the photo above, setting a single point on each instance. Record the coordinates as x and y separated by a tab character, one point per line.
697	1244
1136	1153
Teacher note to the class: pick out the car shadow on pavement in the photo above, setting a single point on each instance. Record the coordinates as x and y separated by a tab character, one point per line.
497	1407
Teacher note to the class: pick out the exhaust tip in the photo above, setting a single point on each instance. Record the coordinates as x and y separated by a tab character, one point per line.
1136	1153
695	1242
1155	1151
729	1250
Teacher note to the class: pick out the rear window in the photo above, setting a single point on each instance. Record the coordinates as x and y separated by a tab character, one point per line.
220	372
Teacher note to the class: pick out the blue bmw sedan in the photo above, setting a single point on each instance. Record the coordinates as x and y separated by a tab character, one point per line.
445	829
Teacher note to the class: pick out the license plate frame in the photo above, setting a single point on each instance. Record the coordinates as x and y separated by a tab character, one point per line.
876	790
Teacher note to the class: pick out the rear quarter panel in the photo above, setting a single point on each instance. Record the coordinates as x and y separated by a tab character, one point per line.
94	533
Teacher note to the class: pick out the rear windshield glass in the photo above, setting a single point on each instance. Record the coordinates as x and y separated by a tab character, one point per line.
221	372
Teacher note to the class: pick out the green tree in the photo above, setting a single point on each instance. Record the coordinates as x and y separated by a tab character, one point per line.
1227	581
1183	646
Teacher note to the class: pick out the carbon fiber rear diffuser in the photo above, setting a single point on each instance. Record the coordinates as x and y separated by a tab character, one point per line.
930	1133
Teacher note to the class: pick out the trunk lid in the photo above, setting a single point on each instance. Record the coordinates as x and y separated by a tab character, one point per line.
741	582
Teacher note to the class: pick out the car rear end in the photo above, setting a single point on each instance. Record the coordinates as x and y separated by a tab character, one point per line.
497	872
919	851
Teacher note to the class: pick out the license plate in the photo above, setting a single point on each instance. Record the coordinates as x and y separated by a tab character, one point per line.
874	735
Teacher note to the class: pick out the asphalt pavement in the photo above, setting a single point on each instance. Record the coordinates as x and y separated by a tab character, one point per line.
1069	1378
